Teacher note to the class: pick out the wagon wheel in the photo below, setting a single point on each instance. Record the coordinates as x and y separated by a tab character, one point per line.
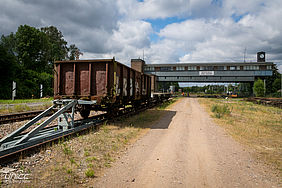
84	112
113	111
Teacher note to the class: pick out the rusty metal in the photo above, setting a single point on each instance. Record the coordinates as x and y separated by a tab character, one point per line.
104	80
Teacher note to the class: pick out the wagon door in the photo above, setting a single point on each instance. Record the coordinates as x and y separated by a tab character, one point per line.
67	79
101	79
83	79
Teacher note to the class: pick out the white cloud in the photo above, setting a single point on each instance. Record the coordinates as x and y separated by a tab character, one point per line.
153	8
224	39
85	23
214	30
127	41
130	33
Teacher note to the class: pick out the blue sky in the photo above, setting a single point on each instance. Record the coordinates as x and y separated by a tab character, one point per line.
159	23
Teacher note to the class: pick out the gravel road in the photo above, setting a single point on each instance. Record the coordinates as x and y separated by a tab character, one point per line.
186	149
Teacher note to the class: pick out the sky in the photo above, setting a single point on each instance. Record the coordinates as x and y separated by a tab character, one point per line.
167	31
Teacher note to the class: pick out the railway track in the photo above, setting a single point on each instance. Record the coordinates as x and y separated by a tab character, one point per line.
276	102
22	141
9	118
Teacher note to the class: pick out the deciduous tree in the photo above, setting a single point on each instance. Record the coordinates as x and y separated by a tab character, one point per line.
259	88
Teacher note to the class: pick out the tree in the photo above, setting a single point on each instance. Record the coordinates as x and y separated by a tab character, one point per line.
245	89
259	88
27	57
270	88
8	70
9	43
74	52
57	46
32	47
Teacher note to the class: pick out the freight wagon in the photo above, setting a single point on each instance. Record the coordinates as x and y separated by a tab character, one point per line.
107	83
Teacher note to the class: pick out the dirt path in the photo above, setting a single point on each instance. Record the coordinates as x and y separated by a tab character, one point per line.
186	149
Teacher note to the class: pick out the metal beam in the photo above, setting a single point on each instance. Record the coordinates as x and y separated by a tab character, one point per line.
27	125
46	122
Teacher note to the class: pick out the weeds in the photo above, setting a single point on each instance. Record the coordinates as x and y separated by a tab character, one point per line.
86	153
166	104
5	109
97	149
66	149
108	157
90	173
72	161
17	101
257	126
220	110
90	159
69	170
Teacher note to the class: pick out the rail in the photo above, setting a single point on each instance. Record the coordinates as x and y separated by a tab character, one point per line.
276	102
14	117
18	141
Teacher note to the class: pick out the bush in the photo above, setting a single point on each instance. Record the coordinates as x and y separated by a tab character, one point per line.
220	110
259	88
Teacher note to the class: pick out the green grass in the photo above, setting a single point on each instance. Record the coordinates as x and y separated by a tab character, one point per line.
258	126
18	101
22	107
66	149
220	110
167	103
90	173
85	156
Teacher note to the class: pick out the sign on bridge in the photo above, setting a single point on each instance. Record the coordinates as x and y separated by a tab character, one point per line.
206	73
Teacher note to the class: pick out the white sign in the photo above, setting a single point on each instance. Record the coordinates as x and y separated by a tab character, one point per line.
206	73
41	90
14	87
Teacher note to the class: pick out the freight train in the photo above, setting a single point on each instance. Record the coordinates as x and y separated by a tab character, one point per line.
84	85
107	84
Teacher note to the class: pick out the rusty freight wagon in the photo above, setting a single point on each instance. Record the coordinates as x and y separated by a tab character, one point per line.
106	82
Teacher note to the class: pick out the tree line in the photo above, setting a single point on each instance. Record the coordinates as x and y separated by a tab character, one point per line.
27	57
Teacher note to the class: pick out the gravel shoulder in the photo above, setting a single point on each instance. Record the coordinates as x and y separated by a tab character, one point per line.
186	149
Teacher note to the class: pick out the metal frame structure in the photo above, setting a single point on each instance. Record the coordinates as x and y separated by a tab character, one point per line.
21	140
17	140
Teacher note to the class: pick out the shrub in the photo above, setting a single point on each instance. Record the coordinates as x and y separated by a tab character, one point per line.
259	88
220	110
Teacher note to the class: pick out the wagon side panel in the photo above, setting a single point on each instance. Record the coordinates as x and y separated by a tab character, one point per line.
99	79
67	78
82	81
56	80
138	85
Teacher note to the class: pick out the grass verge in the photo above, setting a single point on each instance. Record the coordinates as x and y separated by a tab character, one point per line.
22	107
260	127
18	101
78	160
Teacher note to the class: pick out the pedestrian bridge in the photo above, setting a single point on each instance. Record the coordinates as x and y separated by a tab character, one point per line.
210	72
206	72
